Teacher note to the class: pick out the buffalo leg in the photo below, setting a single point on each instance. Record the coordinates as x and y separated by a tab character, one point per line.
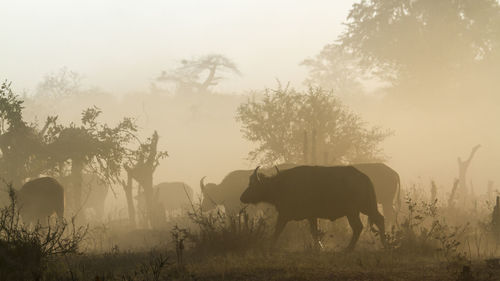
313	226
389	212
280	225
378	219
357	227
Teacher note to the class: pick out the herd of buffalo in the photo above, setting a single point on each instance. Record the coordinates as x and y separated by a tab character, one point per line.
296	193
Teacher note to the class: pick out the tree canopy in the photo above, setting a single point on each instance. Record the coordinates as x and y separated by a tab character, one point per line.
200	74
278	120
420	48
335	69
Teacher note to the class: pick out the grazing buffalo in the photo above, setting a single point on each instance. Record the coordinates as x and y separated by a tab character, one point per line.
38	199
386	183
228	192
173	196
312	192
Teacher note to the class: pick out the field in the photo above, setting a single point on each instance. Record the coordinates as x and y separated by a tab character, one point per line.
431	241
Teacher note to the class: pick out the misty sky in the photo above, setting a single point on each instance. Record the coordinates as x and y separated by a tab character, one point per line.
121	46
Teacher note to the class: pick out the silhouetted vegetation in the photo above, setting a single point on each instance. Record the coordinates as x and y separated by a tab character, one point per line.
277	123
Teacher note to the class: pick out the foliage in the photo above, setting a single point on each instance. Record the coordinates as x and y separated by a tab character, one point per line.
11	107
278	121
146	151
334	69
424	43
101	148
22	145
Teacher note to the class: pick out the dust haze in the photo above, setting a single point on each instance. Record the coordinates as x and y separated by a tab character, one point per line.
213	87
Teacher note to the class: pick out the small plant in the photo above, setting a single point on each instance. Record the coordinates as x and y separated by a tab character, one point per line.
178	237
153	268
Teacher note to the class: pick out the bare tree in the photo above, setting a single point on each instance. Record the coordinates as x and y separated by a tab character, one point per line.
462	169
141	167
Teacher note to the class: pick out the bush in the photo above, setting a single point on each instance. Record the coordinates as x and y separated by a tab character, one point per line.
424	232
219	232
26	249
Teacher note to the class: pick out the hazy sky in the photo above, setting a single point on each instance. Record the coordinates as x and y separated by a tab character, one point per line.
122	45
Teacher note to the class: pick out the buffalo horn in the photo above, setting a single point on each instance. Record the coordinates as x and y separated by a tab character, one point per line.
256	173
202	185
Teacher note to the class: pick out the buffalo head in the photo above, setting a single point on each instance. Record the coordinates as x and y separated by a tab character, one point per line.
258	187
208	190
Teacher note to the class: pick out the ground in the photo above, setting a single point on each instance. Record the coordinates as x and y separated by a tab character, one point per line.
281	265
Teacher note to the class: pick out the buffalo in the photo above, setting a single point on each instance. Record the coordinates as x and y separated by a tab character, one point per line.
386	183
312	192
227	193
172	196
38	199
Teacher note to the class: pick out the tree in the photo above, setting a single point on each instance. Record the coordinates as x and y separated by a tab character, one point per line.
334	69
198	75
424	47
141	166
61	84
462	170
91	146
278	121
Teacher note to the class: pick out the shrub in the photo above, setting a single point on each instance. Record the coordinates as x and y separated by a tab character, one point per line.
219	232
424	231
26	249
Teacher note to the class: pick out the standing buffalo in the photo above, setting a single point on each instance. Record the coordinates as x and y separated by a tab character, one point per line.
173	196
312	192
38	199
228	192
386	183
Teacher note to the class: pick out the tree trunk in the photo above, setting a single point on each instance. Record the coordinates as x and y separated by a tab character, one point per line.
313	148
462	172
127	187
305	151
76	182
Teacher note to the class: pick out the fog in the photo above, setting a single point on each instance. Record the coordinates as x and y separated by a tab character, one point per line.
121	49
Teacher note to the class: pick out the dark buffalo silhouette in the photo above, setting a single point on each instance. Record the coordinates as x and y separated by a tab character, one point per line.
312	192
38	199
227	193
386	183
171	195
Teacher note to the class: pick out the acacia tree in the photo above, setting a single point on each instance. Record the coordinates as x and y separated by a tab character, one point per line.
140	166
200	74
278	120
91	146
